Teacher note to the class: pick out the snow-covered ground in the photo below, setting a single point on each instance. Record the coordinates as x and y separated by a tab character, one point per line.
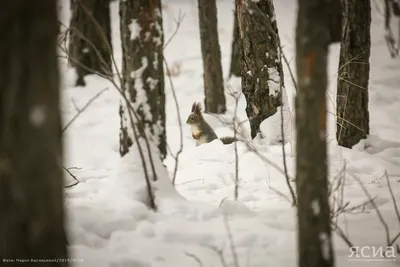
109	226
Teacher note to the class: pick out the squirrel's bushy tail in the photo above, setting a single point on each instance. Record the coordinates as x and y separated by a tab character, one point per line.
228	140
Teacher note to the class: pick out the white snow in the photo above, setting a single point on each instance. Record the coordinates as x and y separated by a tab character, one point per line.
141	95
108	221
38	115
274	81
157	40
315	207
325	246
135	29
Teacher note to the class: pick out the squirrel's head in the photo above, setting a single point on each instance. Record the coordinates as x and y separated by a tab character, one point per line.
195	116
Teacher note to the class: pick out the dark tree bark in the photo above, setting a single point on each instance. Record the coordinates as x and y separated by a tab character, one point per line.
235	69
312	40
335	21
353	75
214	101
90	38
262	74
143	74
31	180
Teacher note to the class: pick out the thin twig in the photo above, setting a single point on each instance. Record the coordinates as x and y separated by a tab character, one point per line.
382	220
235	96
197	259
294	201
220	254
290	70
396	209
80	111
178	22
236	162
73	177
231	241
342	235
178	114
394	239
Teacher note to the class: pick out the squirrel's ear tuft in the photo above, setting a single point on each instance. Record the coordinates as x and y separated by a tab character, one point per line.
197	108
193	107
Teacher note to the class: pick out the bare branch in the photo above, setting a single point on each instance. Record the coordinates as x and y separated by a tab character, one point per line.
394	240
382	220
342	235
294	201
197	259
231	242
73	177
290	69
178	114
220	254
178	22
396	209
81	110
235	96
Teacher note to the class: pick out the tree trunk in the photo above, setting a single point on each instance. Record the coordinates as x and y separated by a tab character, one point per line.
90	46
235	69
312	40
352	90
335	21
262	74
213	82
143	74
31	180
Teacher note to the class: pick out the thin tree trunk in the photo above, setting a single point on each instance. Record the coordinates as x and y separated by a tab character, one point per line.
31	180
90	38
214	101
262	74
312	40
235	69
352	90
143	74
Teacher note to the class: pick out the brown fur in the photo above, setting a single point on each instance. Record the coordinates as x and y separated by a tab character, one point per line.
196	136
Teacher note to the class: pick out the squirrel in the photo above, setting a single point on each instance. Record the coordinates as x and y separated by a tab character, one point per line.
201	130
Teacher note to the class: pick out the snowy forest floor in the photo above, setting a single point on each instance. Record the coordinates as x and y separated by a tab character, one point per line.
106	224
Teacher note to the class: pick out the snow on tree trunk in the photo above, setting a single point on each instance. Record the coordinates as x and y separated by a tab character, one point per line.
142	42
31	180
312	41
235	68
90	31
353	76
262	74
213	82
